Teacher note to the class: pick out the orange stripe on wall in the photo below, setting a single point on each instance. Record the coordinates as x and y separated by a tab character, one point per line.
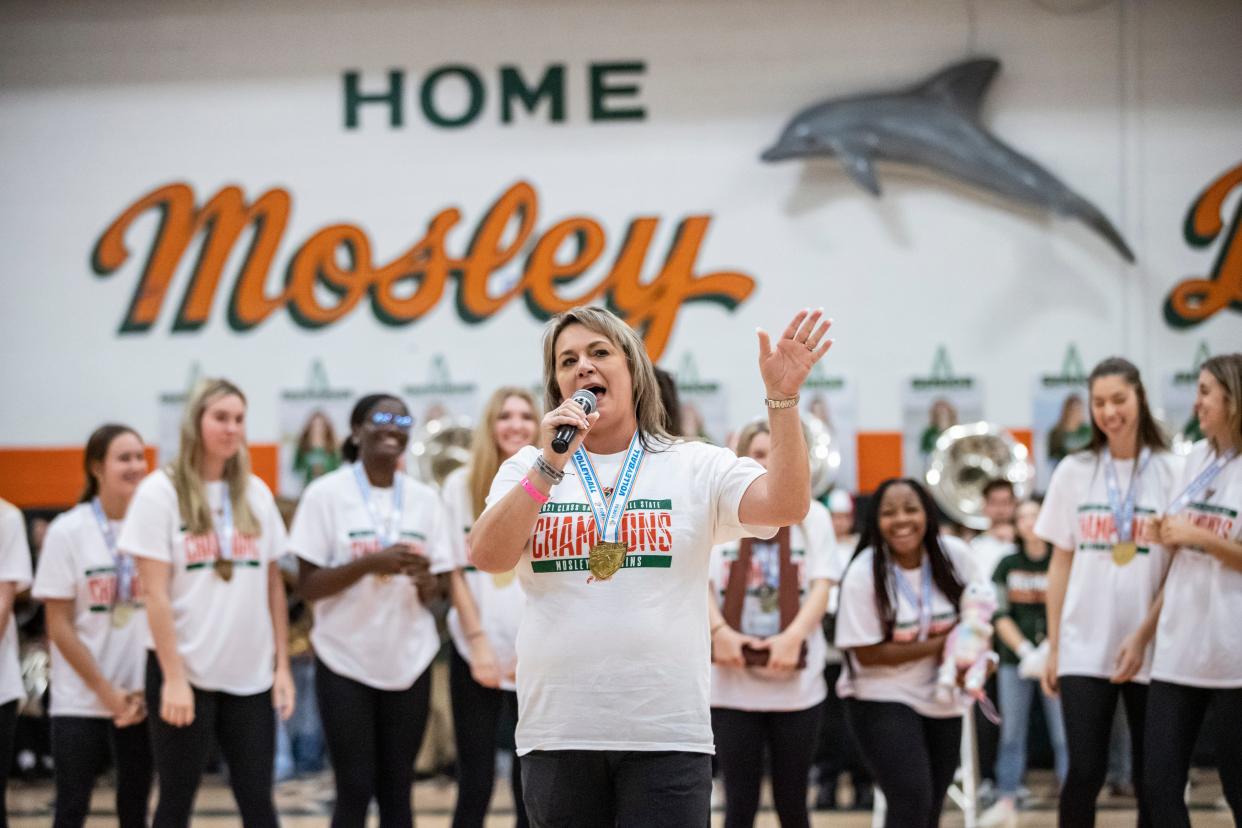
52	478
879	458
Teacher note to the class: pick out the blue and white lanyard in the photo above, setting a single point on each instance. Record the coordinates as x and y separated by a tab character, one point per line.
390	531
769	557
1201	482
922	604
1123	510
607	513
123	565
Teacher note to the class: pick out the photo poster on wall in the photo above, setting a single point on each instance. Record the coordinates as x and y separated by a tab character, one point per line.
932	404
704	405
1177	411
171	408
314	422
833	400
444	413
1060	416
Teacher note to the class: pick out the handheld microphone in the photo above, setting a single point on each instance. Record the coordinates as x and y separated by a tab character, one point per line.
565	434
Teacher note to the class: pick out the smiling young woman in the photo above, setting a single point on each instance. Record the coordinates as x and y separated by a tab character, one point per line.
207	536
97	624
611	541
371	542
1103	597
1198	659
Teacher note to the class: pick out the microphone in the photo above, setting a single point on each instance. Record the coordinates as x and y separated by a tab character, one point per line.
565	434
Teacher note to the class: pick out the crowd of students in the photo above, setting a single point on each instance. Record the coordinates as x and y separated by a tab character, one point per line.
166	609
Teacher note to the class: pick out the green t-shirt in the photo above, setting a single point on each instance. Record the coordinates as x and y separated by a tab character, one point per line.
1021	586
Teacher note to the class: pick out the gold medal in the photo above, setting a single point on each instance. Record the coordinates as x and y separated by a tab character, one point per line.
384	578
768	598
224	569
1124	552
503	579
121	613
606	559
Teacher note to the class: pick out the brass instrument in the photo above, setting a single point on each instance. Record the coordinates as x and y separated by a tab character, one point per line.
439	447
824	453
965	459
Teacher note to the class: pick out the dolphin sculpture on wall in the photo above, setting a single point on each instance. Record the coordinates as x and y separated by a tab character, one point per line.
934	125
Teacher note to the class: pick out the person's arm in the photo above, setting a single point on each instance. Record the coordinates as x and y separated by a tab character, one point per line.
1007	630
785	646
483	666
176	696
783	495
1177	531
1134	647
1058	582
126	707
316	582
726	642
8	595
502	532
283	694
892	653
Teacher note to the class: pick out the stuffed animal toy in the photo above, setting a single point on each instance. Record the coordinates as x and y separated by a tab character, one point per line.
968	651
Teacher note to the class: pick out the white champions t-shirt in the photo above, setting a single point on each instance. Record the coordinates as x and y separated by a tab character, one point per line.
15	568
624	664
76	565
858	625
1104	602
223	628
811	546
376	631
1198	642
498	598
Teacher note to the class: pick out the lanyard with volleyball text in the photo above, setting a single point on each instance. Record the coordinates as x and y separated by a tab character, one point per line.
923	603
123	564
608	553
1201	482
388	531
1124	548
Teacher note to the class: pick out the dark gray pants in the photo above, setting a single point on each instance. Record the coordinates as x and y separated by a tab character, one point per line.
607	788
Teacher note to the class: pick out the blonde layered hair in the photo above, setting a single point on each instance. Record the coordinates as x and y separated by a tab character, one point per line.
648	405
485	456
184	469
1227	370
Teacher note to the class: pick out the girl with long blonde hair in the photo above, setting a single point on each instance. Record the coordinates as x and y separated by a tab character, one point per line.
207	535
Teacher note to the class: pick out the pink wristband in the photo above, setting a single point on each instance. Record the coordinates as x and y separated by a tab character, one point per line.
536	495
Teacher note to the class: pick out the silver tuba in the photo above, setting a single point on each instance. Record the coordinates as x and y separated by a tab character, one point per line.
824	453
439	447
966	458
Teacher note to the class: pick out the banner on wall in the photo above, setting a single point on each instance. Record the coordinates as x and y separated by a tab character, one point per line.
834	401
1060	416
439	396
1178	411
314	421
932	404
171	408
704	404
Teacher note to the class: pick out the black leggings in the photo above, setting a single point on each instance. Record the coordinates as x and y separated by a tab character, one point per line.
912	757
477	714
1174	716
8	732
81	748
790	740
244	727
1087	706
373	738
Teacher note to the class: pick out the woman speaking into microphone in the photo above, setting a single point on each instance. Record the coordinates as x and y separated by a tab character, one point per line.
611	541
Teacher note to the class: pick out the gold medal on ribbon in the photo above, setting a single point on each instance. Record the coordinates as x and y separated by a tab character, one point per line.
121	613
224	569
606	559
768	598
503	579
1124	552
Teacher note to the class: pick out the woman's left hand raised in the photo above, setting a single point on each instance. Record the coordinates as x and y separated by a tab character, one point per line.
785	367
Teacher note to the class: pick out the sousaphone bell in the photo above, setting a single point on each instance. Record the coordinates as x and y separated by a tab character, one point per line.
965	459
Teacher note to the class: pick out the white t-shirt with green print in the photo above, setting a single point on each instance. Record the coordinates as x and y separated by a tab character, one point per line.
624	664
1104	601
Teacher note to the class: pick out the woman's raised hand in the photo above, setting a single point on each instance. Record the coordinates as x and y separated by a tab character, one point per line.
785	367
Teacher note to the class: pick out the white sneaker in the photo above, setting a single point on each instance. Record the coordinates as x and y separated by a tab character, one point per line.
1003	814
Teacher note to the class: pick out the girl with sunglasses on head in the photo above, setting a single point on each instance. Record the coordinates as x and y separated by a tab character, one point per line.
207	537
1198	659
487	608
371	542
899	599
97	624
1103	596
